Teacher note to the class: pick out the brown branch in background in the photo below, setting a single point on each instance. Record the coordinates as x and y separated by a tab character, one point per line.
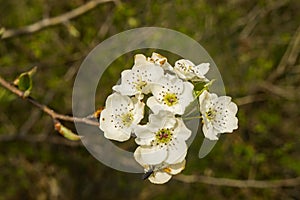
250	99
292	182
39	139
44	23
286	93
255	15
289	58
54	115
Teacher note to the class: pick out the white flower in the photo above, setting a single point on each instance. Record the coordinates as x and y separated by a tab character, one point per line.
161	140
162	173
172	94
136	81
218	115
187	70
120	116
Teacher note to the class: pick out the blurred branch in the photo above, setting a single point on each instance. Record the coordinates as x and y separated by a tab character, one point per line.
44	23
252	19
292	182
39	139
289	58
287	93
54	115
250	99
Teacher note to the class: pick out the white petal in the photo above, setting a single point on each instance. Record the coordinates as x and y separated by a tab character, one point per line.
225	120
205	100
201	69
232	124
176	152
125	88
187	96
168	84
138	111
209	131
159	177
163	119
144	136
232	107
138	157
225	100
140	59
117	135
181	131
176	168
117	101
154	105
151	155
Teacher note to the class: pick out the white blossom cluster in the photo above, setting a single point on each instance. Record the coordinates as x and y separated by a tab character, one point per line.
167	91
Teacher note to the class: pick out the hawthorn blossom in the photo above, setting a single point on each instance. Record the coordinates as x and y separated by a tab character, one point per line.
187	70
162	139
136	80
218	114
162	173
120	116
172	94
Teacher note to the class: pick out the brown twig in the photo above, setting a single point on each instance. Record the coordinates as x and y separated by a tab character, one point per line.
292	182
54	115
37	26
39	139
255	15
289	58
250	99
286	93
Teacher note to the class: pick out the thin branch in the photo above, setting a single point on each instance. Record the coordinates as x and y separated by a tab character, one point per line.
250	99
44	108
255	15
287	93
292	182
39	139
44	23
289	58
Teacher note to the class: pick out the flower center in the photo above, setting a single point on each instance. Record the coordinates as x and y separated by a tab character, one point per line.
140	85
210	114
186	68
170	99
164	135
127	118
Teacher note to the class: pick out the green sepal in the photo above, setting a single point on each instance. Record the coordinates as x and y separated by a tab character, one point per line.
24	81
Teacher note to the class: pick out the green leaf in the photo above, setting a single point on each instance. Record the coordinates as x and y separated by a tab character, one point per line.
199	86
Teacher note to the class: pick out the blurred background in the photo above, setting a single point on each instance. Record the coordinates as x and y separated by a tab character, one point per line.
255	45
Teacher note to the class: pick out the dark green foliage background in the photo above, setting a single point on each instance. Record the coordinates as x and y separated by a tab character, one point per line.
47	166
